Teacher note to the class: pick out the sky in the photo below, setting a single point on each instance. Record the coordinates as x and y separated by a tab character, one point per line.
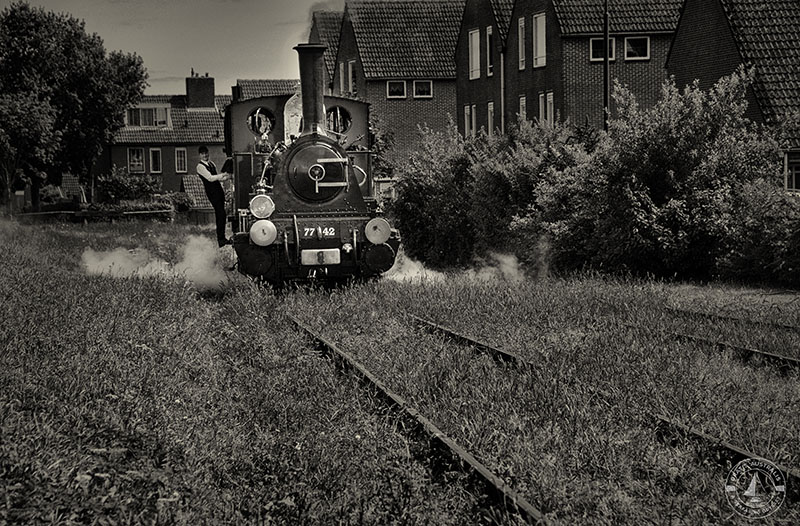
228	39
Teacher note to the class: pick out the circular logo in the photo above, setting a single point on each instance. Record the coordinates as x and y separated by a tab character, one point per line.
755	488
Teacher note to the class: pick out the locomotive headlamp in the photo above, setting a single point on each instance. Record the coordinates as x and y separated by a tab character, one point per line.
378	230
263	232
262	206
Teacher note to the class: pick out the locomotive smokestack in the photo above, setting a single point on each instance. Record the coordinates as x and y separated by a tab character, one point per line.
312	84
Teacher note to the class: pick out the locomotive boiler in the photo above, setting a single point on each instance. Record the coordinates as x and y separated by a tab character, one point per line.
305	207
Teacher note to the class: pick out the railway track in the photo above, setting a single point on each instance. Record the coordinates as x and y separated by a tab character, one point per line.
720	317
665	426
502	494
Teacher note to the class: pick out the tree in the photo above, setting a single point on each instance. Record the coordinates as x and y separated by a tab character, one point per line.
26	137
82	91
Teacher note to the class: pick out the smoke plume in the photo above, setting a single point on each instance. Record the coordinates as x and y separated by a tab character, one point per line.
199	264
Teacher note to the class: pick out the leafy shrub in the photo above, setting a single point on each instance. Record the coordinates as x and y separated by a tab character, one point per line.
180	201
764	242
120	184
434	188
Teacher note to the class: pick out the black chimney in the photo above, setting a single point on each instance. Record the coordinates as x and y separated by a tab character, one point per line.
312	83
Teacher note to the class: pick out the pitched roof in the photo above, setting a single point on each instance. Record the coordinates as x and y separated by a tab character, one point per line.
254	88
329	25
406	38
188	126
767	33
578	17
502	10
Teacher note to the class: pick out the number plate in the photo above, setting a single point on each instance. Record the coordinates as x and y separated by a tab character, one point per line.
318	232
322	256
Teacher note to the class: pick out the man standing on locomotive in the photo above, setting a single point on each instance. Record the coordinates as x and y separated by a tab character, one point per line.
212	182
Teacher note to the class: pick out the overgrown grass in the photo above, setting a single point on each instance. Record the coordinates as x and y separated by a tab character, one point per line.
136	400
141	399
581	459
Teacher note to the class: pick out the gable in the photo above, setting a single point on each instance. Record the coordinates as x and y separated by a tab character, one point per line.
325	29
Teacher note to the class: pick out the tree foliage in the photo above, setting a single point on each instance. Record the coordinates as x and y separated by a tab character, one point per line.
48	60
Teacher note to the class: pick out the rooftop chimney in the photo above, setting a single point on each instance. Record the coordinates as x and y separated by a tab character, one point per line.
200	92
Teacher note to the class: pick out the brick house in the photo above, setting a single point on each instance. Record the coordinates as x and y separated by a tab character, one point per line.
400	57
480	59
325	29
553	62
715	37
163	132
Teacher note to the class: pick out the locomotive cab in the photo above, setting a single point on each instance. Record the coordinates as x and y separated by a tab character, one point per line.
309	213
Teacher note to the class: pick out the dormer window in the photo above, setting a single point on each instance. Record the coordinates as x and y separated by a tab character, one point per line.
148	117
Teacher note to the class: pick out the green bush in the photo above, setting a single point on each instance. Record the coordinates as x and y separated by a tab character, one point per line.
764	241
120	184
434	189
180	201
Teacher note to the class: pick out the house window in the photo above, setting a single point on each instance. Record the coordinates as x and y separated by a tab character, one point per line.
423	89
546	110
539	41
180	160
489	51
155	160
149	117
474	120
467	120
136	160
793	171
523	107
395	89
490	118
351	77
341	77
521	42
597	52
637	48
474	54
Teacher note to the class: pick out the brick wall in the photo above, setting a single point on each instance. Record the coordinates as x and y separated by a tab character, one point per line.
478	15
583	80
402	116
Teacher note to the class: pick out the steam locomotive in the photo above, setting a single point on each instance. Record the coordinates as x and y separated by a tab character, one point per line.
306	208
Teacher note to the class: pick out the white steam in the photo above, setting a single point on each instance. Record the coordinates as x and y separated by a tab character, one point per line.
199	264
497	267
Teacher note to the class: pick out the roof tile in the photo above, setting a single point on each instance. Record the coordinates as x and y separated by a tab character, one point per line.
577	17
407	38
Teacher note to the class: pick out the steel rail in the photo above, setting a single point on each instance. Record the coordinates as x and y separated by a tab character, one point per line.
502	492
731	451
708	315
783	362
660	421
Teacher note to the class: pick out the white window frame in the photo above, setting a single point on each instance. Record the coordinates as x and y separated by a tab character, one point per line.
551	118
637	58
474	120
405	93
521	42
351	83
178	153
490	118
156	151
523	106
341	78
489	50
613	46
467	120
474	40
420	82
131	168
539	40
542	107
792	171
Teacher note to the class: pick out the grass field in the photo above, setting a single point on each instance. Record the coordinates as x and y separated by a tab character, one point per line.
141	382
